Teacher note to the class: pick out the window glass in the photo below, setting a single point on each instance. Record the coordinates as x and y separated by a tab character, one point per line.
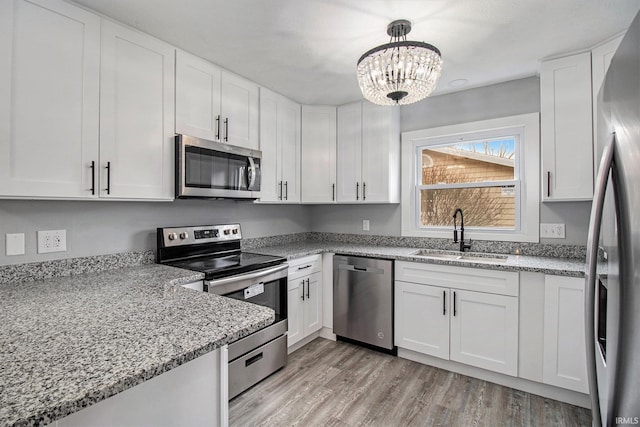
482	206
478	161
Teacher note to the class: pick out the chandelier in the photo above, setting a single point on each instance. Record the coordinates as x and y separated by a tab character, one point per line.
400	72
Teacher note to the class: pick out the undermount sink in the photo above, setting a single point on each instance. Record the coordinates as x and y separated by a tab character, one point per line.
476	257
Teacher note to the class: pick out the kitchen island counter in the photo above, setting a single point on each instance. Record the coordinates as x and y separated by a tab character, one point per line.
69	342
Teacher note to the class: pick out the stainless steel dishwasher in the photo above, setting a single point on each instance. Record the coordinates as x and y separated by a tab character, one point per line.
363	301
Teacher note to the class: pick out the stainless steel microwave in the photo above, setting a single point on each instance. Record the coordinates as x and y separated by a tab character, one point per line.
208	169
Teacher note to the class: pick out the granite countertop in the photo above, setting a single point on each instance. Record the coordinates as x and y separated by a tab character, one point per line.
556	266
69	342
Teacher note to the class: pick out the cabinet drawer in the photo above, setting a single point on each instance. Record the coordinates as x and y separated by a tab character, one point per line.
304	266
472	279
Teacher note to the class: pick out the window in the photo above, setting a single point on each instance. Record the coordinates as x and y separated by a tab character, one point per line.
479	167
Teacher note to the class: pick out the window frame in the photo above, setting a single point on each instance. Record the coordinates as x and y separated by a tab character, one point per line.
526	176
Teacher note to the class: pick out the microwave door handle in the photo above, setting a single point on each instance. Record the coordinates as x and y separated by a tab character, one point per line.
251	175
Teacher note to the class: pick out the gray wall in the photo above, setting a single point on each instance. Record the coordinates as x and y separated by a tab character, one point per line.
499	100
95	228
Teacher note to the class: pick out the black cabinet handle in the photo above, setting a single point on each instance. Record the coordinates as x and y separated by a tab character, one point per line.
308	297
286	190
357	190
333	192
305	267
454	304
548	183
218	127
108	189
444	303
364	191
302	290
226	129
253	359
280	196
93	178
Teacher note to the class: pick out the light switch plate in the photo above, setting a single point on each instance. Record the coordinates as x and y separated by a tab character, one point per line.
552	231
365	225
52	241
14	243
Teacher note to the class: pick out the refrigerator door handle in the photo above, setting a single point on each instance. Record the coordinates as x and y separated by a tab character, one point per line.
606	164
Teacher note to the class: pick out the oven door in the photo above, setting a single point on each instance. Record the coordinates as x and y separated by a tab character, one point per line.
255	357
211	169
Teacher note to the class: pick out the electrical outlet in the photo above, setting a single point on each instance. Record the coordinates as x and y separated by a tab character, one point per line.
552	231
52	241
365	225
14	244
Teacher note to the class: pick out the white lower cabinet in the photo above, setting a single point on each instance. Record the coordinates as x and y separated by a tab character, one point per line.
484	331
304	298
564	357
477	328
422	318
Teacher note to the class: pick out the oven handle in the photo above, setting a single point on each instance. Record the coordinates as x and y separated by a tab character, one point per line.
248	276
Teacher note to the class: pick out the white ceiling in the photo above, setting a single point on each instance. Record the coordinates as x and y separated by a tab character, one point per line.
307	49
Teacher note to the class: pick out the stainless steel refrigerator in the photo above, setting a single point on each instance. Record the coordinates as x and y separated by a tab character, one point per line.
612	297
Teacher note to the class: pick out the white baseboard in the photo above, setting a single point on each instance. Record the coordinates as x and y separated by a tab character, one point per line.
327	333
544	390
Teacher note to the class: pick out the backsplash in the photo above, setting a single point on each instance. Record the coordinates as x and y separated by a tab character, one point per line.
528	249
16	273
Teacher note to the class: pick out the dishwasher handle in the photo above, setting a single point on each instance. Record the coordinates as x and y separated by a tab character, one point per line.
350	267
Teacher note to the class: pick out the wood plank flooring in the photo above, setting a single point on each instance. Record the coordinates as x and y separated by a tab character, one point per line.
330	383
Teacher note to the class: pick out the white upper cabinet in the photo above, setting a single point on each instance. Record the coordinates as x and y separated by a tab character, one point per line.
368	153
600	60
136	115
349	153
280	146
239	111
197	97
566	128
214	104
49	99
318	154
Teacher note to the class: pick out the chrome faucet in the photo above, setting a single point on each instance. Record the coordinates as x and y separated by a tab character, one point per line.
463	245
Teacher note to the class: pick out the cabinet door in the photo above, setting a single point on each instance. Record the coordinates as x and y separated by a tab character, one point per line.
294	312
270	162
240	111
565	357
349	153
484	331
600	60
318	168
136	115
289	147
422	318
49	88
197	97
566	128
312	313
380	154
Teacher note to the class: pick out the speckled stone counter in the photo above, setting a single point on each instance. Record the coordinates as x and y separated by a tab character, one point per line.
557	266
69	342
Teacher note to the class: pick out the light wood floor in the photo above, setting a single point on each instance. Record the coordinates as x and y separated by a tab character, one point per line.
330	383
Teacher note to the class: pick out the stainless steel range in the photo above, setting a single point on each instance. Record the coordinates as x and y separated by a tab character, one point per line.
260	279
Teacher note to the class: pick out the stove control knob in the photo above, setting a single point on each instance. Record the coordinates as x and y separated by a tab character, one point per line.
184	235
235	231
216	233
172	236
227	231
